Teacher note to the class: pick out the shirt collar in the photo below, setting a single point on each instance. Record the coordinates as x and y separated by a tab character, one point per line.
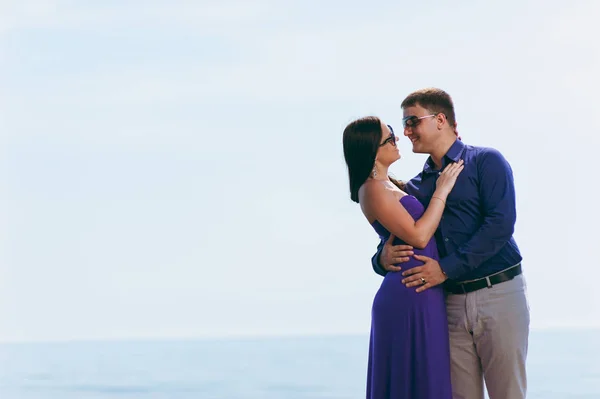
453	155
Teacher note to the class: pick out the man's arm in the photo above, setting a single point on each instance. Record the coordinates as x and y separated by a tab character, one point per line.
389	255
377	268
497	192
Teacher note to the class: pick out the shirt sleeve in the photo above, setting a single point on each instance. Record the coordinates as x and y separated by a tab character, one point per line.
497	193
377	268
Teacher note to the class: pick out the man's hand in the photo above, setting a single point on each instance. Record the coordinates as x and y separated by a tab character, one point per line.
393	254
430	272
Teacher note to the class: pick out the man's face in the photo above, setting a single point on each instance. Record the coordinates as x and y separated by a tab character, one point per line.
421	128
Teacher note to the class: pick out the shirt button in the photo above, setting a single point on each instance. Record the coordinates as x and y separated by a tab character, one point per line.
445	239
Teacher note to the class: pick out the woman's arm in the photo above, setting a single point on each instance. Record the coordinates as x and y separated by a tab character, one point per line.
385	207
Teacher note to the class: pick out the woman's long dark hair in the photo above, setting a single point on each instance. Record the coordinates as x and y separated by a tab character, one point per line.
361	141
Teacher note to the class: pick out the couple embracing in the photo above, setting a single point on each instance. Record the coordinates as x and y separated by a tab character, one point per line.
451	311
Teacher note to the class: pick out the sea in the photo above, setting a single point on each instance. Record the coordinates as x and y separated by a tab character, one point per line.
561	365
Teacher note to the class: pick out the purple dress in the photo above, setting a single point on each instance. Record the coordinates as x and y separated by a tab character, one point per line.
409	352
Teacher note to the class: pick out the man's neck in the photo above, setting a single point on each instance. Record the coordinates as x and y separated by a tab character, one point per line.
437	155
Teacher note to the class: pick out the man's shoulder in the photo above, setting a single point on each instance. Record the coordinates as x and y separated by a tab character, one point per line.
486	159
483	152
479	149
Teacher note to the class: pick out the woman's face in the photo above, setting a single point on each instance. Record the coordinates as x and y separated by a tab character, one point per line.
388	151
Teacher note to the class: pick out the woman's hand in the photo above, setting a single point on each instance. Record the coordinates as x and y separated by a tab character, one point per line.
447	178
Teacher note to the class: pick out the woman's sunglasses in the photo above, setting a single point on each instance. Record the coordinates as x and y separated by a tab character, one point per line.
391	139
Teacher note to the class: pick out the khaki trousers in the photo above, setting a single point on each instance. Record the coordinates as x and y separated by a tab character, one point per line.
489	331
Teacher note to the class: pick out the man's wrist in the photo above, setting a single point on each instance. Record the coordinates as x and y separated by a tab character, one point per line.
450	266
443	272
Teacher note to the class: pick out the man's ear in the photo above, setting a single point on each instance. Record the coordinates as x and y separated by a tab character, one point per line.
456	131
441	118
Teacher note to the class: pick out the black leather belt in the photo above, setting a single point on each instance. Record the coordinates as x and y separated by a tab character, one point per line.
485	282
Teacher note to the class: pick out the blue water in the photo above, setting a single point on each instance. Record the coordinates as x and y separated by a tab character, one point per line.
561	365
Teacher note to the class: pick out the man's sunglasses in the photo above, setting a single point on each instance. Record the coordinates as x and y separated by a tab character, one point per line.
412	120
390	139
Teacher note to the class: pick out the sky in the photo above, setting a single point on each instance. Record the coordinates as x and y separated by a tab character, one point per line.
175	169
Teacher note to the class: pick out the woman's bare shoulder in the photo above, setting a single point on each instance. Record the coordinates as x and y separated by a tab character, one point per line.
375	190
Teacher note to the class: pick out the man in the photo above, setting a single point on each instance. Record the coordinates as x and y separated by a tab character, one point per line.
480	263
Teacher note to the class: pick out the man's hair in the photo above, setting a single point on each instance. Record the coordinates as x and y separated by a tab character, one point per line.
434	100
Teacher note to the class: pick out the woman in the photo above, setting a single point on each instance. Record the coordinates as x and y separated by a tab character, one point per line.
409	355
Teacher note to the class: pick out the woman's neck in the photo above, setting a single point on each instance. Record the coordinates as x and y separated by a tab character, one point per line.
381	173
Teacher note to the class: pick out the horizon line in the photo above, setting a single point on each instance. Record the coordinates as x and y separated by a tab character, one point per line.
244	336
